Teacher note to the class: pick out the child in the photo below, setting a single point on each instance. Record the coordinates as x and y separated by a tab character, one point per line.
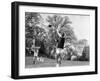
35	56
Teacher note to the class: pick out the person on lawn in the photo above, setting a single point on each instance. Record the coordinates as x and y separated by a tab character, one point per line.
60	46
35	49
35	56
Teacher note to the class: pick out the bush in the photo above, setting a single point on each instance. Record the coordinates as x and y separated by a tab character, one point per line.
85	54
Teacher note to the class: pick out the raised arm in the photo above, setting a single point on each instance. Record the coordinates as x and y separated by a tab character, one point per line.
58	32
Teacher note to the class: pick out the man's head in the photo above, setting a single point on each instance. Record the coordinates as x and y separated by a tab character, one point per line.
63	35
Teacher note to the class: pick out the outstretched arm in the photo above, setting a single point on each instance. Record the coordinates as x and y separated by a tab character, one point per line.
58	32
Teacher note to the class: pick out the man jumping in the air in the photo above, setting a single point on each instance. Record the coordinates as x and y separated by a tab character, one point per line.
60	46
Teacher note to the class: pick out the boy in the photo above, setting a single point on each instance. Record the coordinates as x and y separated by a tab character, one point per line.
35	55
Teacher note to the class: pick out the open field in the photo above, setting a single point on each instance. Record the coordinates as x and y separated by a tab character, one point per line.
51	63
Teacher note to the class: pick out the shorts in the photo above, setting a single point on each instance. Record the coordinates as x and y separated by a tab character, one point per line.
35	54
59	50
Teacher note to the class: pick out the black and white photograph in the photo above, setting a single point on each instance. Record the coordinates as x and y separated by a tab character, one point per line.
51	40
56	40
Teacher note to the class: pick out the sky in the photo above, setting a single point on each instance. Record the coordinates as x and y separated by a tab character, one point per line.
80	24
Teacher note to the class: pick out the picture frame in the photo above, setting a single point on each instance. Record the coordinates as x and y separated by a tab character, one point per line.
19	11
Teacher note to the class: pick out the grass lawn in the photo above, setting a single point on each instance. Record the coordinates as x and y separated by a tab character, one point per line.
51	63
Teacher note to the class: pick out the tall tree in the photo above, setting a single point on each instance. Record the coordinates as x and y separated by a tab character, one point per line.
32	30
62	24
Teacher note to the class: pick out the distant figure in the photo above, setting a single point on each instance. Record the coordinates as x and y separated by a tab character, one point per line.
35	48
35	55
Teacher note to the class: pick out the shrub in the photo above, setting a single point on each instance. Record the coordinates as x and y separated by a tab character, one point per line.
85	54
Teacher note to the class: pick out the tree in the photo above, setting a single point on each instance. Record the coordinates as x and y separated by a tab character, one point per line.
30	22
58	21
69	33
32	19
83	41
63	25
32	30
85	54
